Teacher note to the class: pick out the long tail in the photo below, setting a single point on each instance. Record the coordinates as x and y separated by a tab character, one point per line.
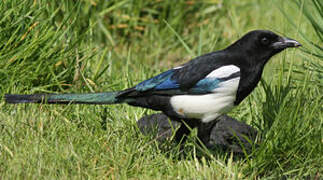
91	98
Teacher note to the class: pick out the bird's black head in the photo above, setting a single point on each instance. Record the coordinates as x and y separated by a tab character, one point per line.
260	45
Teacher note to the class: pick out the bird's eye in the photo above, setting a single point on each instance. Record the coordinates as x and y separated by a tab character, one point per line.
265	41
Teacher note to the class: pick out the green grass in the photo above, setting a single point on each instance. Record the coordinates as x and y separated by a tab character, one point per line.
95	46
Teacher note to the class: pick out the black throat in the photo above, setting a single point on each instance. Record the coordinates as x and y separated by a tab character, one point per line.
251	68
249	78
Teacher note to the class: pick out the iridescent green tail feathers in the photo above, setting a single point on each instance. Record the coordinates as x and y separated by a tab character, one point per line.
90	98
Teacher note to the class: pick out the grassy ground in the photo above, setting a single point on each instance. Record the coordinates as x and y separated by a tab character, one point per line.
92	46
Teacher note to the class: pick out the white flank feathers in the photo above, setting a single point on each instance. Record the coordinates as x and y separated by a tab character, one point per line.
208	107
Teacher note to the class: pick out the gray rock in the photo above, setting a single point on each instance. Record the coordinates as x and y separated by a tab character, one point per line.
225	132
231	134
158	124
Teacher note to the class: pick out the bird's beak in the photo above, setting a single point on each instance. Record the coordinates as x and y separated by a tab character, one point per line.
286	43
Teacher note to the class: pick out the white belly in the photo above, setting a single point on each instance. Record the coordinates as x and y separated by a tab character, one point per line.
209	106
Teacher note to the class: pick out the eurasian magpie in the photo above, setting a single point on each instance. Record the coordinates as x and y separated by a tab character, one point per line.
197	91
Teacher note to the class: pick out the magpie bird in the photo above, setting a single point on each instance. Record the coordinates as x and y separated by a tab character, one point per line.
198	91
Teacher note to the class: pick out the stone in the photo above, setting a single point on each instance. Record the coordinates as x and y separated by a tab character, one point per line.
225	132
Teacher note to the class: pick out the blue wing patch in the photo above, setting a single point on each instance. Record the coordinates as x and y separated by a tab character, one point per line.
160	82
167	84
205	86
164	82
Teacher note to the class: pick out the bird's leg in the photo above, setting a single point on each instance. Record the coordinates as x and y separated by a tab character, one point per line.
204	132
185	128
181	133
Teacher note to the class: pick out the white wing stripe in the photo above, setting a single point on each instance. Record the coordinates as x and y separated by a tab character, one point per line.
224	71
